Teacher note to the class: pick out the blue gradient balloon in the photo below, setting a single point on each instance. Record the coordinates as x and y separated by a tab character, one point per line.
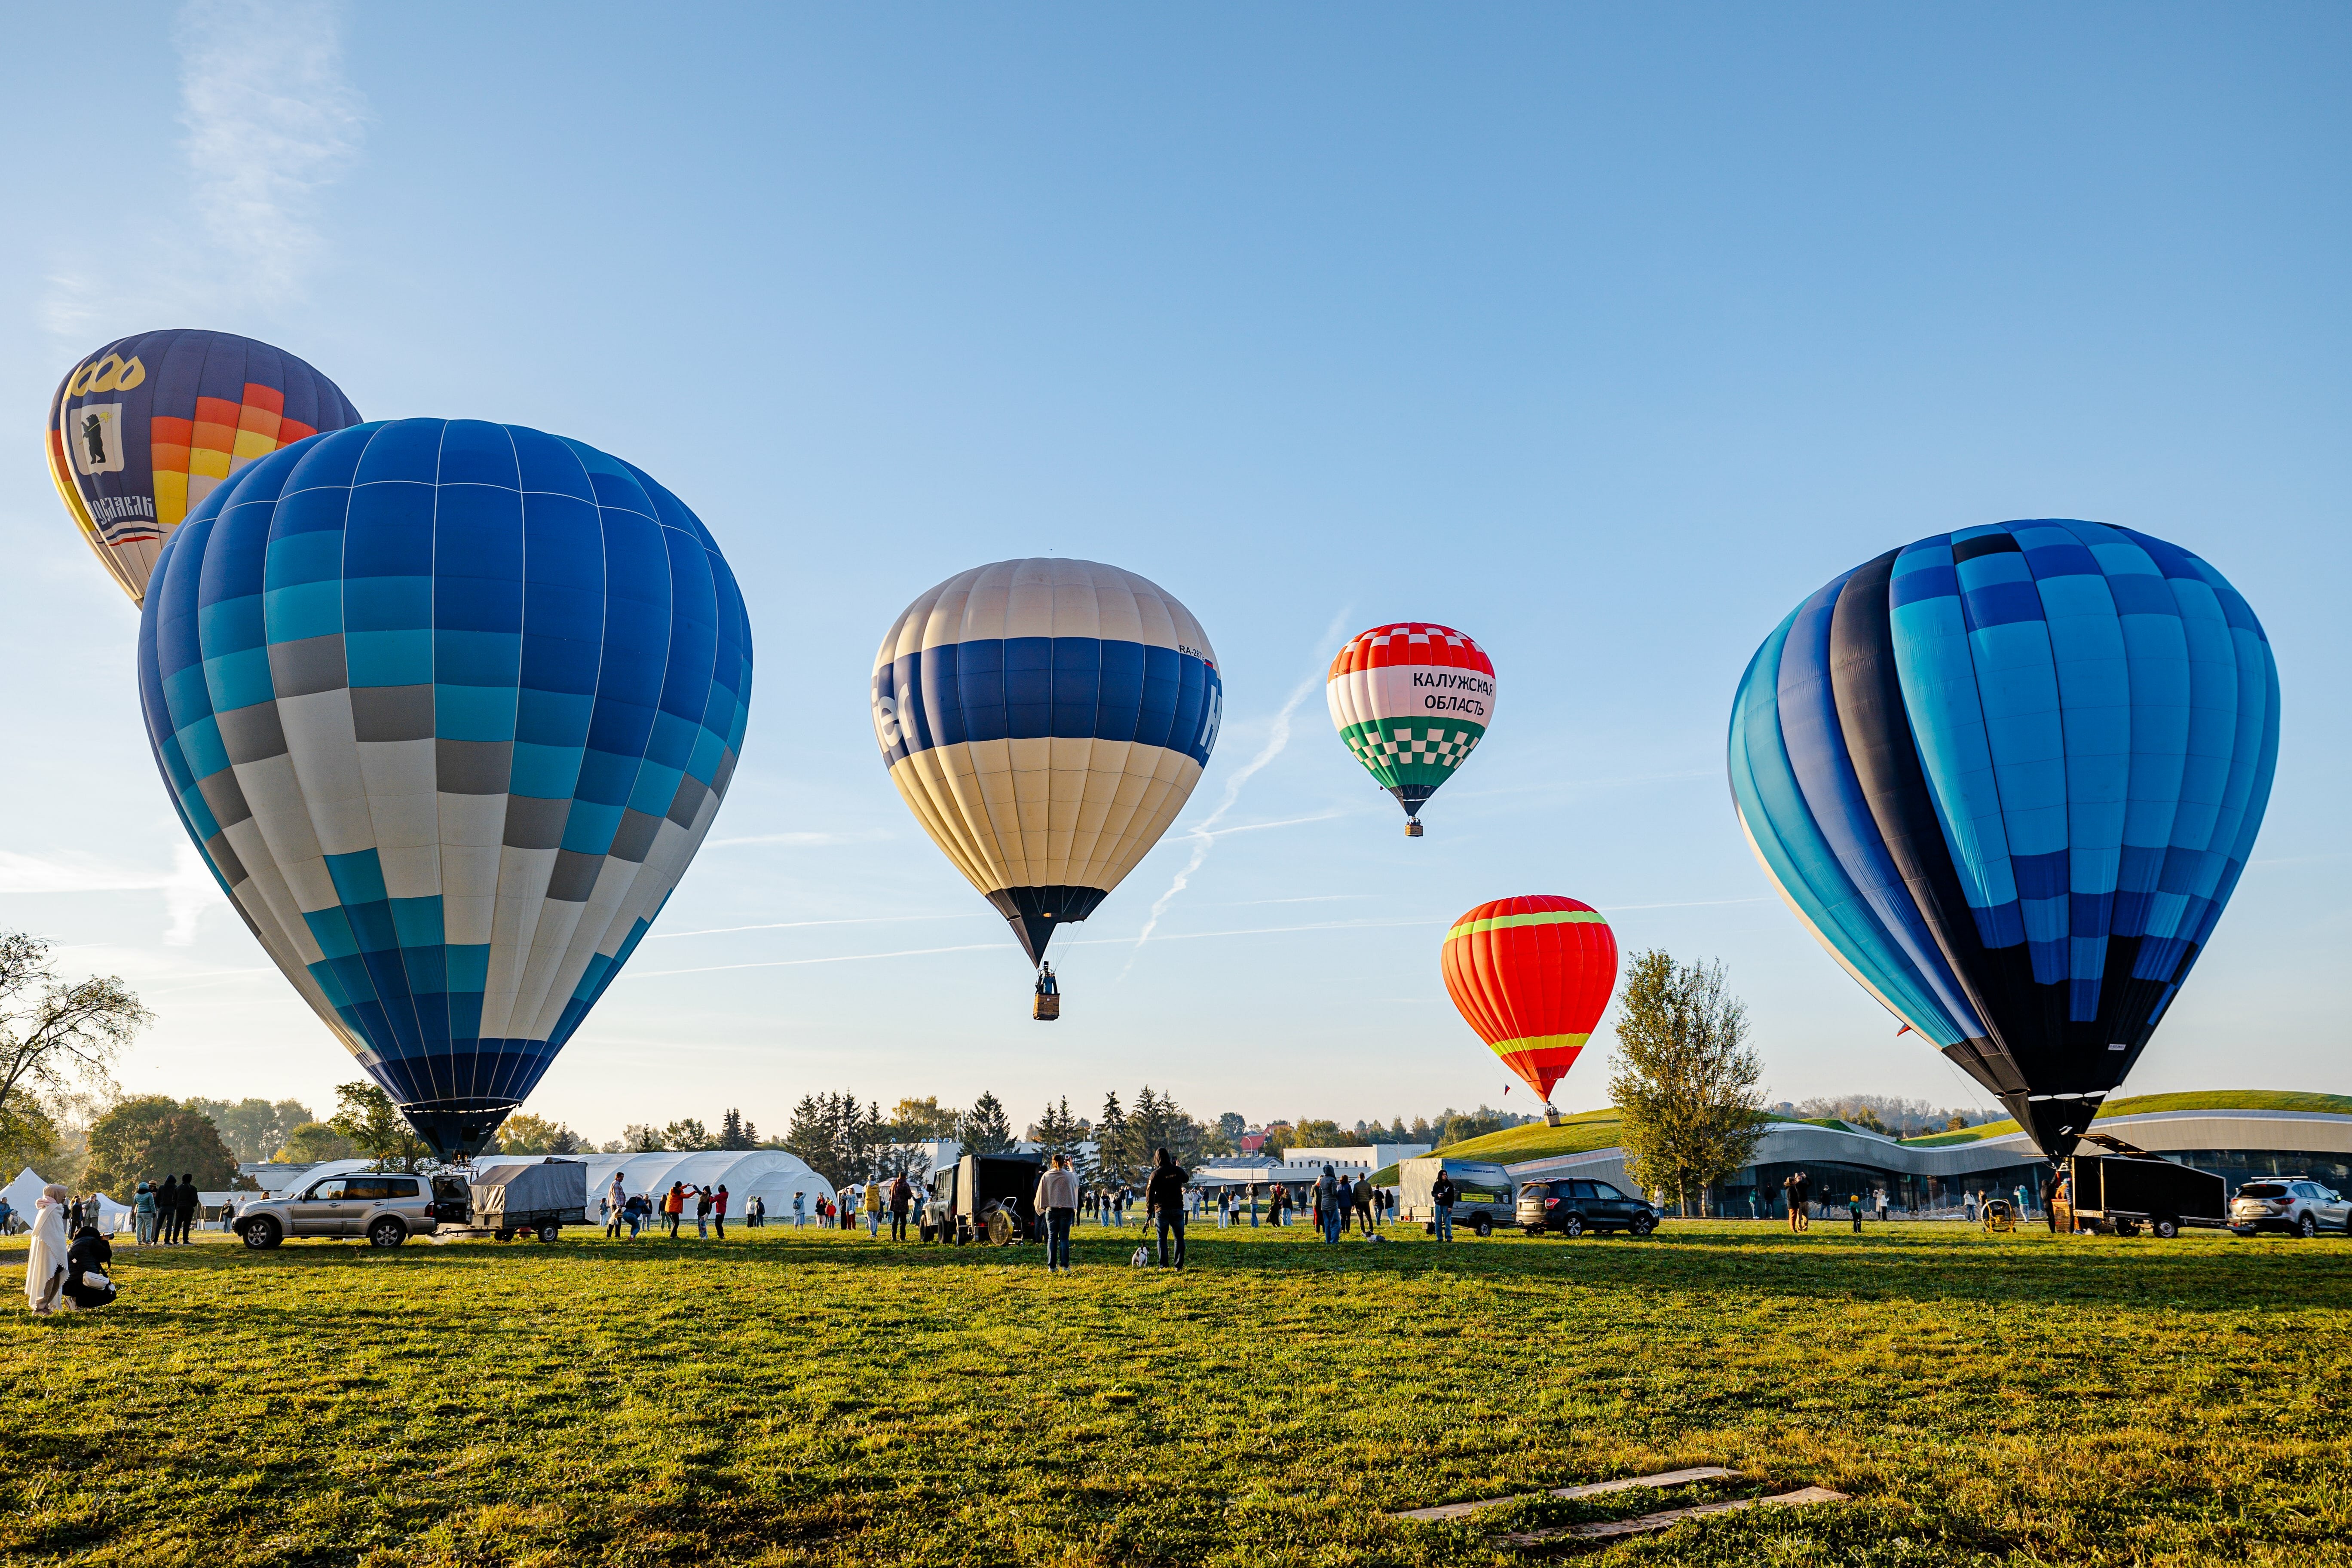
448	707
2010	776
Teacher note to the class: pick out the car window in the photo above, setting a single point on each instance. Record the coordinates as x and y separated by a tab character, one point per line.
1603	1190
1582	1189
2262	1190
400	1187
326	1191
1535	1190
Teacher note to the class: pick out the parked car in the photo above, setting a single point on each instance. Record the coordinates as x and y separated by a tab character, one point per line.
2297	1204
1573	1207
387	1207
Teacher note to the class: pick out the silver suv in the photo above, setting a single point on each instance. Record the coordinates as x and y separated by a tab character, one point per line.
386	1207
2297	1204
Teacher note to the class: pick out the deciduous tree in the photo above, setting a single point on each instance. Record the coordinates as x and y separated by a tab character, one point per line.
366	1115
1685	1078
52	1031
315	1143
149	1138
523	1133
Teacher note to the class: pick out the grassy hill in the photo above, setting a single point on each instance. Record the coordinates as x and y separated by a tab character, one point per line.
2148	1104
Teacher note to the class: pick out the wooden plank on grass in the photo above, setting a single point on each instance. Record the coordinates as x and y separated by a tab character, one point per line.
1594	1488
1609	1529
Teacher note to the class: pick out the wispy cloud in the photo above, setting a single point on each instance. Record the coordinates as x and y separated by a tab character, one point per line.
1204	834
839	958
268	121
188	888
802	840
797	925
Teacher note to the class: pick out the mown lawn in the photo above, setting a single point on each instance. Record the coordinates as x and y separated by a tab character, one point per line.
799	1397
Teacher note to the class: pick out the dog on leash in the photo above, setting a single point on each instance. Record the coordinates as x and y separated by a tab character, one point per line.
1143	1258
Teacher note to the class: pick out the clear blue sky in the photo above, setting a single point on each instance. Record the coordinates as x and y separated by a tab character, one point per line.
1605	333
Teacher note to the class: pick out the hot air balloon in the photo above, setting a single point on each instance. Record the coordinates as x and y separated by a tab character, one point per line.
2009	776
1411	701
448	707
1532	975
1045	720
141	431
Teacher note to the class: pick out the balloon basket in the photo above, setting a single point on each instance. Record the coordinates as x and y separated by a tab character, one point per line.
1048	1008
1412	827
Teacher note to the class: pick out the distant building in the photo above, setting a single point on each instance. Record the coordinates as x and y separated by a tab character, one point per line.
1357	1159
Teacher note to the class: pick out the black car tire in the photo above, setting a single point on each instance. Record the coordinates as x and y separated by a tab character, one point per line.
2166	1229
547	1232
1481	1228
1642	1226
2307	1228
387	1232
261	1232
1572	1227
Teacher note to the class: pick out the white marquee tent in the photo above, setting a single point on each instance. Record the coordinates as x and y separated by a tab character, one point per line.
770	1174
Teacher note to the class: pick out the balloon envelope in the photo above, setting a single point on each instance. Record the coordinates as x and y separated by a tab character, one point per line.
1045	720
1532	975
141	431
2009	776
448	707
1411	701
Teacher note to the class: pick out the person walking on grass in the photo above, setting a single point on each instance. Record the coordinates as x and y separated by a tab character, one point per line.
1058	1199
1441	1193
1164	1200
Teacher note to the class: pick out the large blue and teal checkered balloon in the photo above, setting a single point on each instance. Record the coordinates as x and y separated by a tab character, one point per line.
448	707
2009	776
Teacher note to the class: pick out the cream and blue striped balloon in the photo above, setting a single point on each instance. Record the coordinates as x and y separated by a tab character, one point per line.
447	707
1045	720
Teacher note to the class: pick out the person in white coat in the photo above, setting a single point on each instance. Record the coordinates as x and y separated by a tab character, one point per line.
45	1259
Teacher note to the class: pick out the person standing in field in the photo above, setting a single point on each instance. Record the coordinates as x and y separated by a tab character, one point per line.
1969	1207
192	1203
1326	1206
902	1198
1164	1200
1057	1200
44	1257
1797	1187
1441	1193
167	1209
799	1208
674	1207
1853	1207
718	1210
1364	1200
616	1202
702	1214
143	1206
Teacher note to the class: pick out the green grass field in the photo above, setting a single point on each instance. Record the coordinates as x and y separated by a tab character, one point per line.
807	1397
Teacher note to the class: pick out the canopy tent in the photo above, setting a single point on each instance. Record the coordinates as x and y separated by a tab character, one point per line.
23	1193
769	1175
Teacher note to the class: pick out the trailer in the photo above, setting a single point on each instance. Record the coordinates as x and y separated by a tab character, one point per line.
986	1197
538	1198
2117	1192
1485	1198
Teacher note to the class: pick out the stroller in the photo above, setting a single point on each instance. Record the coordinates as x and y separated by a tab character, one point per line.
1999	1214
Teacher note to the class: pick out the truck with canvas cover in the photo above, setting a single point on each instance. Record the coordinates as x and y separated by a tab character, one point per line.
514	1198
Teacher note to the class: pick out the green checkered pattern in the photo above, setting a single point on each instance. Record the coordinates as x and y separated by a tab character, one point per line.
1403	753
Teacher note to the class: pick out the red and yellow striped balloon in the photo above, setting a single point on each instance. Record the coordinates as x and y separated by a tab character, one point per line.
1532	975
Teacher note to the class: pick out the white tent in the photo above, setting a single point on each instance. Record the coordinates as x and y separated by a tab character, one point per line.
114	1218
22	1193
770	1174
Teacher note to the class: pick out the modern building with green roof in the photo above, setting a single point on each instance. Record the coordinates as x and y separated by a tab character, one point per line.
2240	1134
